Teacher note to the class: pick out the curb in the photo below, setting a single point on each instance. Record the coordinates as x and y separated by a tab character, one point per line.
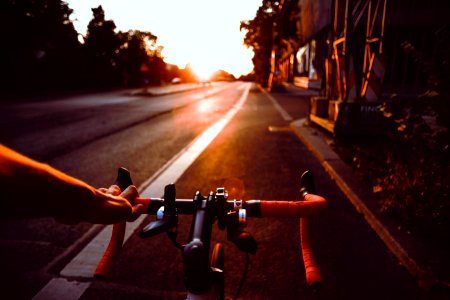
336	168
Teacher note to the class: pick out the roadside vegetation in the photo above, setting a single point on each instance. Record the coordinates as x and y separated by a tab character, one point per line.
408	164
416	185
41	51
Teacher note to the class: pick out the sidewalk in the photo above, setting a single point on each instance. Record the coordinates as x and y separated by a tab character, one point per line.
427	266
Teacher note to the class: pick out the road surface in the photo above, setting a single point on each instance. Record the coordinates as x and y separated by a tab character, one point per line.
254	155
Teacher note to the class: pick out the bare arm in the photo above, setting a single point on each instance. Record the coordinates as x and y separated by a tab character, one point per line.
33	189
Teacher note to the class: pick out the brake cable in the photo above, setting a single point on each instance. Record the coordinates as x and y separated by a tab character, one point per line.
244	275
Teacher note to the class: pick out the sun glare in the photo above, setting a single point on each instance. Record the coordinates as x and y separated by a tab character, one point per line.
203	71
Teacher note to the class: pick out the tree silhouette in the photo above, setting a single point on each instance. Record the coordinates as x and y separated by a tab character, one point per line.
101	46
271	28
40	47
135	56
41	50
259	37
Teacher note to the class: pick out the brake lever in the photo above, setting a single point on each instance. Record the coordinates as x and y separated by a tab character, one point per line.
169	219
159	226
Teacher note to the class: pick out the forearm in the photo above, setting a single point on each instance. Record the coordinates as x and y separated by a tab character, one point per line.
33	189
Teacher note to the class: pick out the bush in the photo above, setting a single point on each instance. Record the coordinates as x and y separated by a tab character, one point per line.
416	184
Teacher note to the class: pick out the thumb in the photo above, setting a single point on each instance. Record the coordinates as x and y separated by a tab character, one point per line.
137	210
130	193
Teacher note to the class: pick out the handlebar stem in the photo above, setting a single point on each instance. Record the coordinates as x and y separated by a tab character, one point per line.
197	271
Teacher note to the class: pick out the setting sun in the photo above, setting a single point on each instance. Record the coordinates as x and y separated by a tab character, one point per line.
203	33
203	71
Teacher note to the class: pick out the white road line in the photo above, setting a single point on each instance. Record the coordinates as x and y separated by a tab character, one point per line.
61	288
284	114
84	264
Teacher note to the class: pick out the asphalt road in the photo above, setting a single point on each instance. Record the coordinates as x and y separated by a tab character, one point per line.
89	137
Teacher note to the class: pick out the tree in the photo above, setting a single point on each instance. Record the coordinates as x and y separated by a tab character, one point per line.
40	48
157	70
259	37
136	52
286	31
101	46
274	28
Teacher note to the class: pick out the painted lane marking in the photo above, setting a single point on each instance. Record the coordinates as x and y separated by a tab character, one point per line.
85	263
61	288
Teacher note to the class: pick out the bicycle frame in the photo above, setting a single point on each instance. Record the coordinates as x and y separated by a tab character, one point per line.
204	279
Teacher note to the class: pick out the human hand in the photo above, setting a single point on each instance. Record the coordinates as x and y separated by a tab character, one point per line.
106	206
116	208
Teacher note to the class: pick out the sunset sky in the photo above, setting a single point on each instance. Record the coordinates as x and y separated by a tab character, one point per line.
204	33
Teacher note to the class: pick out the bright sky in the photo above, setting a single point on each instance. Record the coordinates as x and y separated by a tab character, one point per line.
204	33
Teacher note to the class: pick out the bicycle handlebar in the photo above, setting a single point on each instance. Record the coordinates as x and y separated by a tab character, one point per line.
310	206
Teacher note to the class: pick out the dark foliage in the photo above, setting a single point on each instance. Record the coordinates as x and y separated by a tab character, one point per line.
259	37
40	47
41	51
101	46
273	27
417	185
409	167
